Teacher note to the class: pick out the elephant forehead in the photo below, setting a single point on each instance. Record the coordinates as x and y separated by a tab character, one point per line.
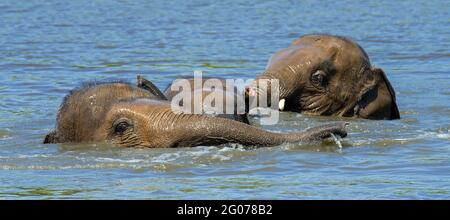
346	58
97	100
323	40
107	94
142	103
139	107
331	44
297	55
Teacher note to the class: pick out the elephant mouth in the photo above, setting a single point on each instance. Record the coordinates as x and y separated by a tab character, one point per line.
253	94
271	87
314	104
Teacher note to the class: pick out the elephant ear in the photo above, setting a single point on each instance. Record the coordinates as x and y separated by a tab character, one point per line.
149	86
377	98
51	138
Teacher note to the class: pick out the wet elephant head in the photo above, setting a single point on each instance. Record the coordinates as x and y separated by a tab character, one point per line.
211	91
330	76
129	116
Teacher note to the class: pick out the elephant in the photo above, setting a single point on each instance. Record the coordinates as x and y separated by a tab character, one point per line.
228	97
128	116
330	76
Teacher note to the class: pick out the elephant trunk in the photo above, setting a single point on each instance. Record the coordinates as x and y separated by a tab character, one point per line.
212	131
285	87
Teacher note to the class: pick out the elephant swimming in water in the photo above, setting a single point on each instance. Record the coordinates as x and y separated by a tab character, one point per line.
129	116
330	76
229	97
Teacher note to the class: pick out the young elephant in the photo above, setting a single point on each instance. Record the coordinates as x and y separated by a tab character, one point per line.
129	116
331	76
229	98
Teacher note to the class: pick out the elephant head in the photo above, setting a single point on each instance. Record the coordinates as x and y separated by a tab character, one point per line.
330	76
229	98
129	116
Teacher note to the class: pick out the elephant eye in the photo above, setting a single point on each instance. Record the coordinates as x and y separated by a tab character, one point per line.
121	127
318	79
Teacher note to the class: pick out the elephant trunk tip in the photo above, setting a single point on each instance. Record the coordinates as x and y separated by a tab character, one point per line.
340	129
343	132
326	131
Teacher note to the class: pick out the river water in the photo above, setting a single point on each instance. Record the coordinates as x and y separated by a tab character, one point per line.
50	47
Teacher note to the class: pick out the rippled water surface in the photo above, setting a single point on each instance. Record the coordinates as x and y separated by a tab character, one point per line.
49	47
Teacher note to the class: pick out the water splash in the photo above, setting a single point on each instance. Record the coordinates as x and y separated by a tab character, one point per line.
337	139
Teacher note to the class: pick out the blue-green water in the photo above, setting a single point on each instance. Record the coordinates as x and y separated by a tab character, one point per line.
49	47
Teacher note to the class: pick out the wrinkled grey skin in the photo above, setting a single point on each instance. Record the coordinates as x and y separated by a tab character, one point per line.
128	116
330	76
229	98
